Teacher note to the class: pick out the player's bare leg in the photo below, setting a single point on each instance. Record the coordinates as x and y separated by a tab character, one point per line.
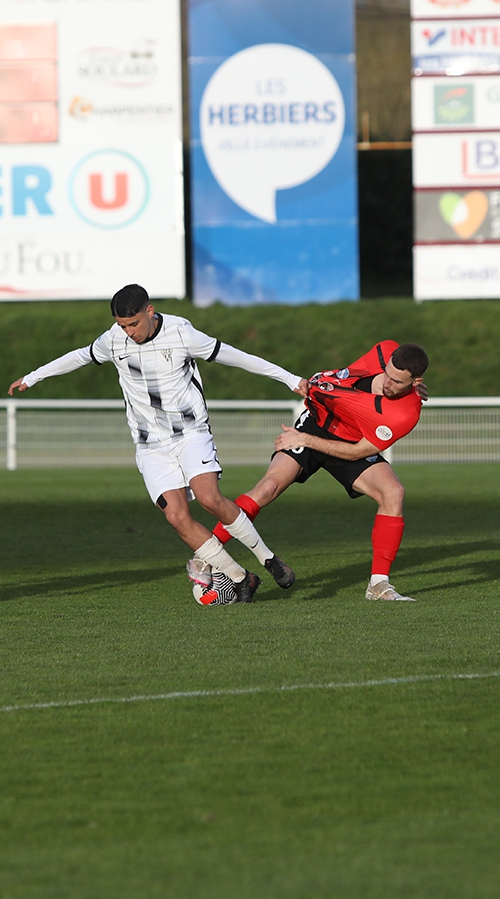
381	484
281	473
175	507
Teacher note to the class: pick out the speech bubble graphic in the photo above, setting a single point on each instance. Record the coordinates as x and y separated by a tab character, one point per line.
271	117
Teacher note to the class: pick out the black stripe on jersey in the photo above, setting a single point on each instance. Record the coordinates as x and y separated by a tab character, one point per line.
199	387
154	393
328	421
92	355
188	414
134	369
215	353
154	399
378	404
381	357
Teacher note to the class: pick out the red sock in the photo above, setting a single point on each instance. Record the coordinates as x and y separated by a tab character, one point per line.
386	539
251	510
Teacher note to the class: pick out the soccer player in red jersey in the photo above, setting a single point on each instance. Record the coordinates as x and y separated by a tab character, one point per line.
351	415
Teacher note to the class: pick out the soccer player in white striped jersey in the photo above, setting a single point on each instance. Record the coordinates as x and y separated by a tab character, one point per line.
167	415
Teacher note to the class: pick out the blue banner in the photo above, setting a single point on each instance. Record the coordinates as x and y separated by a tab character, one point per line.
273	151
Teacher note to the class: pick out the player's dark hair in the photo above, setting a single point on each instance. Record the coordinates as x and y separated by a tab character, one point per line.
410	357
129	301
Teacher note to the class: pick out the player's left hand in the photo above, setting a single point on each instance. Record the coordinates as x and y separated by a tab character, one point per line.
301	387
290	439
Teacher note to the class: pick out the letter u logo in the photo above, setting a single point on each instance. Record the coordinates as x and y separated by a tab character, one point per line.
120	191
109	189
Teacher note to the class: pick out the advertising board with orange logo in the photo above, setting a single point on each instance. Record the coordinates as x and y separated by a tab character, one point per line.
456	148
91	182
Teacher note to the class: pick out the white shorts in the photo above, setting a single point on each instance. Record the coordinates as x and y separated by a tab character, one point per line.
172	467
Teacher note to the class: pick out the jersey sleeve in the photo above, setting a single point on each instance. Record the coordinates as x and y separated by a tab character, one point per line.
197	344
101	349
383	421
230	355
60	366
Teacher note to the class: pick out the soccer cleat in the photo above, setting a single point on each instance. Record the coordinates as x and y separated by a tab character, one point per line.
385	590
282	574
199	572
247	587
221	592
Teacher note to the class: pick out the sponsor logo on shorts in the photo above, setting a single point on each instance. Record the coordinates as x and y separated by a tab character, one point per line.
383	432
342	374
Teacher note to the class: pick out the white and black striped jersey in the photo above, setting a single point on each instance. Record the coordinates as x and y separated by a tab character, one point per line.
159	378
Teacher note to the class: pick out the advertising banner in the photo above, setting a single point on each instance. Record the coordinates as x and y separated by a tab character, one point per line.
456	46
457	160
91	183
461	104
445	216
456	148
471	271
273	152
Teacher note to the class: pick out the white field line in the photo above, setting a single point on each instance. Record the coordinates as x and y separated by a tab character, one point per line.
208	694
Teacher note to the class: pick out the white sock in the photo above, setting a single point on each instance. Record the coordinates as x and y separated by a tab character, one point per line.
377	578
213	552
244	531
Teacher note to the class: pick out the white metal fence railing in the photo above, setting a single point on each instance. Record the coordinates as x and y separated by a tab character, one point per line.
93	433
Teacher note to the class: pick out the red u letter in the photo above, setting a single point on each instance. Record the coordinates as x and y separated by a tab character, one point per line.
121	191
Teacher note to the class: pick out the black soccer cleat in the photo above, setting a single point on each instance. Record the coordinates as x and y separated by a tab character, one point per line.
282	574
247	587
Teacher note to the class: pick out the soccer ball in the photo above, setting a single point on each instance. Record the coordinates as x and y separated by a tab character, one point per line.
221	592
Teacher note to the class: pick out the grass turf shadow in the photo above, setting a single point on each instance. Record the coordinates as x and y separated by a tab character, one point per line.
74	584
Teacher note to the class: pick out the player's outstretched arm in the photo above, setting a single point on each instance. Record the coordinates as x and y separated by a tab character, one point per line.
293	439
230	355
60	366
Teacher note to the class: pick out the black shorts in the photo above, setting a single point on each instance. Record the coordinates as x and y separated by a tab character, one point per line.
344	471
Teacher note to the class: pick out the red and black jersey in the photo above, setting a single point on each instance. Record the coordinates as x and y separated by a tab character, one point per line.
340	405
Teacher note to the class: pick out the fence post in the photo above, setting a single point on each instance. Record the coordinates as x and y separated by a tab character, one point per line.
11	435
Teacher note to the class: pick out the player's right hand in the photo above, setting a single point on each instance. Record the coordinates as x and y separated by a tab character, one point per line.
19	384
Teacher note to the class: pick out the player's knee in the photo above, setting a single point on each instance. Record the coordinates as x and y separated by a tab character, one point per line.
177	518
394	495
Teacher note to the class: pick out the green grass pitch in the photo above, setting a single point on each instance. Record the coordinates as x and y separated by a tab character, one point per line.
376	777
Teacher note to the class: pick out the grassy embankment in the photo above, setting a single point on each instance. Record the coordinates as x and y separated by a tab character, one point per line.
461	338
